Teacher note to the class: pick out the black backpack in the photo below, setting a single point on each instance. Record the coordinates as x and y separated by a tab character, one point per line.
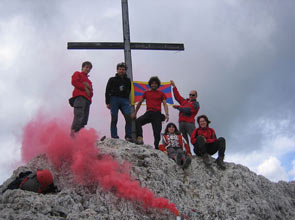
16	183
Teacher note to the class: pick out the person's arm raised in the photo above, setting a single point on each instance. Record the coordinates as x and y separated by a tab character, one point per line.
166	110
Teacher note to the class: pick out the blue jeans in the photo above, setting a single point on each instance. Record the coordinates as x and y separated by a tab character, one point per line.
122	104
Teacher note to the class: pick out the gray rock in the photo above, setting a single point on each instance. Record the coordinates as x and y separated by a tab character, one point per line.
199	192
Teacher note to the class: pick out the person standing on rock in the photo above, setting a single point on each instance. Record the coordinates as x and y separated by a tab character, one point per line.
154	98
81	98
117	98
205	142
175	146
188	109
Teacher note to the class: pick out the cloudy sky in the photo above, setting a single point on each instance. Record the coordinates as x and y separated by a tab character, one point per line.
239	56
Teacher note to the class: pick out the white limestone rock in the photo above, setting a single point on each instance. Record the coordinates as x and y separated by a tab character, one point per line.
199	192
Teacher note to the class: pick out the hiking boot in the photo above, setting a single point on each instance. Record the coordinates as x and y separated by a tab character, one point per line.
139	140
220	163
103	138
129	139
179	159
186	163
206	159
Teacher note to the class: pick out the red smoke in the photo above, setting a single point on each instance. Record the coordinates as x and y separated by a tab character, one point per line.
53	139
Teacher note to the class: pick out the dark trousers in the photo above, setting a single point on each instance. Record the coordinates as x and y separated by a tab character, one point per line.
156	119
81	112
186	128
174	151
201	147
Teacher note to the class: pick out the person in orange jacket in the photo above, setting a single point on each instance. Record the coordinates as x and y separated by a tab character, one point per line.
175	146
205	142
82	97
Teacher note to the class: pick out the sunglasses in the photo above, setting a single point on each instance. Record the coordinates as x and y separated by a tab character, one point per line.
192	94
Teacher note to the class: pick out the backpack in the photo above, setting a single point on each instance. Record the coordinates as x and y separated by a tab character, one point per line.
29	175
16	183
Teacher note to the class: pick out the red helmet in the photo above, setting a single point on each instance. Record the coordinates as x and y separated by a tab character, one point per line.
45	178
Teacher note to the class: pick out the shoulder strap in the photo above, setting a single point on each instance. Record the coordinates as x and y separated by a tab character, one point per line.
197	131
211	133
180	140
165	138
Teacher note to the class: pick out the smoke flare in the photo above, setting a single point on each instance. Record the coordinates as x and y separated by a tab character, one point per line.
52	138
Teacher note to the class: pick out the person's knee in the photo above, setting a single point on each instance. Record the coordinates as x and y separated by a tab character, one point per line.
200	139
126	112
221	144
114	118
127	118
221	140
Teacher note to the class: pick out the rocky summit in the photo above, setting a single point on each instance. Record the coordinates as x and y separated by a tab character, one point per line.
200	192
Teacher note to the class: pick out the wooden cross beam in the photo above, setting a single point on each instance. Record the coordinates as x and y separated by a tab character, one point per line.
127	46
117	45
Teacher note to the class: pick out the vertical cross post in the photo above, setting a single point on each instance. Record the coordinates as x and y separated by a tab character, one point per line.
126	38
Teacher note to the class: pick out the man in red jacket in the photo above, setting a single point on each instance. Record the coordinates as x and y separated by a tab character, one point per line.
188	109
82	96
205	142
154	98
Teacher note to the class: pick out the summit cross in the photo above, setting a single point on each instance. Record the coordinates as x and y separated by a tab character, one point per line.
126	44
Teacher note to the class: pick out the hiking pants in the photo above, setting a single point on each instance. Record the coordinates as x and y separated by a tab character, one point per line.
122	104
201	147
186	128
81	113
155	118
174	151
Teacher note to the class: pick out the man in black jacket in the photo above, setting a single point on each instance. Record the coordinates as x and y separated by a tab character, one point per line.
117	97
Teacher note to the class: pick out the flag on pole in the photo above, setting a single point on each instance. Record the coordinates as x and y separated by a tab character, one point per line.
138	88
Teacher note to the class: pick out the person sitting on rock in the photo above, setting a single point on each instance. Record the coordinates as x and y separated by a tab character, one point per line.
40	181
175	146
205	142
